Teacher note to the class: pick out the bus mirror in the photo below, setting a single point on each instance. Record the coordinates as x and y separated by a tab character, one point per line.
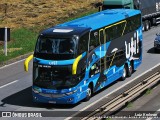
75	64
26	62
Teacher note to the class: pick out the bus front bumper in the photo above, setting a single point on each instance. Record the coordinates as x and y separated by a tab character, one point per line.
50	98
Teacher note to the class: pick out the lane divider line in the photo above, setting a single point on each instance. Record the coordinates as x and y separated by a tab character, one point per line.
11	64
8	84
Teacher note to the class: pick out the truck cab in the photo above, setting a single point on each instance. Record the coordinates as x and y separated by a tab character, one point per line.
149	9
111	4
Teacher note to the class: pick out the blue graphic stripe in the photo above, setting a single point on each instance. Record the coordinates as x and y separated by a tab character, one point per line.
57	62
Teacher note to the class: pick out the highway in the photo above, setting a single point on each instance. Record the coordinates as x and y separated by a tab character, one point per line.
15	85
146	106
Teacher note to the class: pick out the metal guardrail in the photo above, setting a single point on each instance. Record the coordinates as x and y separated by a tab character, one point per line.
129	92
127	96
146	81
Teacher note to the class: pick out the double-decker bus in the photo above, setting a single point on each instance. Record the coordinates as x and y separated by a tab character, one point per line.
75	59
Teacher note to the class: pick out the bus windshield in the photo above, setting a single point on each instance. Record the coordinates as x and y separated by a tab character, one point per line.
53	78
56	45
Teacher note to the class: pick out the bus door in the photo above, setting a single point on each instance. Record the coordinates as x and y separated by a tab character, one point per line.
111	33
102	41
109	58
94	54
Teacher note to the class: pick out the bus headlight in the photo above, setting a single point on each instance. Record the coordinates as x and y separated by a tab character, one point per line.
37	90
70	93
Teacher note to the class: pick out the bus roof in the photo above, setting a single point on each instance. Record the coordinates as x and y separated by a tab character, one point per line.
64	31
93	21
101	19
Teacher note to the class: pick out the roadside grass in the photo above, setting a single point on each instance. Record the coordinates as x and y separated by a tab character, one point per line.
83	14
23	40
148	91
129	104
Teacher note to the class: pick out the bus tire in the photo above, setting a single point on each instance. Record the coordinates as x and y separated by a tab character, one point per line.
143	26
147	25
130	70
89	93
124	75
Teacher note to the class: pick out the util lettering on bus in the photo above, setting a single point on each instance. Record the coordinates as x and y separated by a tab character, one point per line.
133	47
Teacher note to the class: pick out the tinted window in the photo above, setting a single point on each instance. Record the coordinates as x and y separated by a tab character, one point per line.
83	43
117	30
133	23
114	31
101	37
56	46
94	39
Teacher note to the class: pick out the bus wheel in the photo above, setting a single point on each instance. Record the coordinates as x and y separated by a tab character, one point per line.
149	22
124	73
147	25
143	25
130	70
89	93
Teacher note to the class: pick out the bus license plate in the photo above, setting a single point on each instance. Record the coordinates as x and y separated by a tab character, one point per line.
53	102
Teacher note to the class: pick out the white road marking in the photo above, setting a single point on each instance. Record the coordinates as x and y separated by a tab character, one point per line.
111	92
8	84
12	64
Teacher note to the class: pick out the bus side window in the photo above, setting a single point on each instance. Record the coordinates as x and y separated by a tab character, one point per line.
128	26
107	34
110	32
114	31
83	43
120	27
133	23
93	41
101	37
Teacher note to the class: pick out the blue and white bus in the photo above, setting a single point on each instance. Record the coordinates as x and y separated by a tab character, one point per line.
75	59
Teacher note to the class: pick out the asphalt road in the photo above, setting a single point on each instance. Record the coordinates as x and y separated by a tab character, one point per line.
15	84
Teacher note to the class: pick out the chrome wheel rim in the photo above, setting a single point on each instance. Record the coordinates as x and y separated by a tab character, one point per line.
89	92
124	72
147	26
130	69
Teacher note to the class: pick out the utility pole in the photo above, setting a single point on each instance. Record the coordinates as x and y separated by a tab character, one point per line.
5	41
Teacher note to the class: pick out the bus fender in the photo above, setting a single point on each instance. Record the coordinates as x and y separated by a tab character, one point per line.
26	62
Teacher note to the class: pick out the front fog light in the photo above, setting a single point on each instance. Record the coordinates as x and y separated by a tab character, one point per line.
36	90
70	99
35	98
